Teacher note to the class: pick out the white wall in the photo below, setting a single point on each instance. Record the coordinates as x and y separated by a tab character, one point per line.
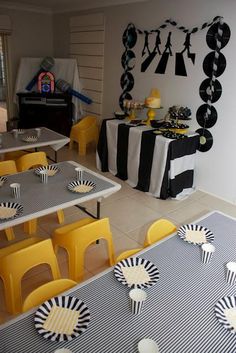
215	170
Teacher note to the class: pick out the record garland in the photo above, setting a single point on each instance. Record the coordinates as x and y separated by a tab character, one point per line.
210	89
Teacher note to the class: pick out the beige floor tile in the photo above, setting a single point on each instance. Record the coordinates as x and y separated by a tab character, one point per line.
127	214
123	244
188	213
214	203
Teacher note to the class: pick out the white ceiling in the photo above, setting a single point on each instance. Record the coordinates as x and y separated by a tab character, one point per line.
54	6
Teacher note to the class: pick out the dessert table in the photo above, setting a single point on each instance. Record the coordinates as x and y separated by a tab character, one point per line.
38	199
47	138
149	162
178	313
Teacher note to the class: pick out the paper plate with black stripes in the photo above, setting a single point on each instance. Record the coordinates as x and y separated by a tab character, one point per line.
81	186
51	169
225	310
136	272
10	210
30	138
195	234
62	318
3	179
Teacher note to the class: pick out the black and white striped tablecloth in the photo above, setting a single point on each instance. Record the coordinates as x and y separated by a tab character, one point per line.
178	314
149	162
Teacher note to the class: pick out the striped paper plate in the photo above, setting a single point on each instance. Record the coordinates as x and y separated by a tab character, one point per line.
225	310
51	169
10	210
32	138
136	272
81	186
195	234
2	180
62	318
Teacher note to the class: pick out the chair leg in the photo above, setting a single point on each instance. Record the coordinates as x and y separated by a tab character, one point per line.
76	265
13	297
82	149
60	216
71	144
10	234
30	227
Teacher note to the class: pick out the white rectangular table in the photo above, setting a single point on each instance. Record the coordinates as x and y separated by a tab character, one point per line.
40	199
47	138
178	314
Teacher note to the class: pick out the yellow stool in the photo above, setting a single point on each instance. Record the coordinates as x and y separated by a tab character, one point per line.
159	230
83	132
47	291
16	260
127	253
6	168
76	237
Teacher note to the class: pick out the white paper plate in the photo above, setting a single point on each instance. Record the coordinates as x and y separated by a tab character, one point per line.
225	310
148	345
195	234
32	138
52	322
51	170
2	180
136	272
81	186
10	210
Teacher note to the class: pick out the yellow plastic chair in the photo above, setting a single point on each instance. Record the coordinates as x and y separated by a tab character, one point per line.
31	160
127	253
76	237
24	163
16	263
83	132
159	230
47	291
14	155
6	168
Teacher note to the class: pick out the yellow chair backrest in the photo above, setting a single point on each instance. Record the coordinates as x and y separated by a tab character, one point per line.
87	122
31	160
14	265
127	253
77	237
47	291
7	167
159	230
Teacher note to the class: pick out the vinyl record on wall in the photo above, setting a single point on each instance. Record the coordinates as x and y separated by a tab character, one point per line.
122	98
127	82
130	36
212	35
208	64
128	60
204	90
205	141
211	119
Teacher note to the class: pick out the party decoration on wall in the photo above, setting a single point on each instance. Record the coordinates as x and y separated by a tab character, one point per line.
161	67
210	89
129	40
180	69
46	82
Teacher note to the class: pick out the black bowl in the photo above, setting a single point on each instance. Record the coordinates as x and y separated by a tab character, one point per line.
120	115
156	123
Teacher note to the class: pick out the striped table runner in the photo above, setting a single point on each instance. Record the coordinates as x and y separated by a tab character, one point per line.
178	313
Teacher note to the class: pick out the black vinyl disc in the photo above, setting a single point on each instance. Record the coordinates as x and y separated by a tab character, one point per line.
211	119
204	88
205	141
128	60
130	36
208	64
123	97
212	34
127	81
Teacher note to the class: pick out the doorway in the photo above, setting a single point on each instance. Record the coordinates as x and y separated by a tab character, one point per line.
3	89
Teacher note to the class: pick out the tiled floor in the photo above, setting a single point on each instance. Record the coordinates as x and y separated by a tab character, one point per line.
130	212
